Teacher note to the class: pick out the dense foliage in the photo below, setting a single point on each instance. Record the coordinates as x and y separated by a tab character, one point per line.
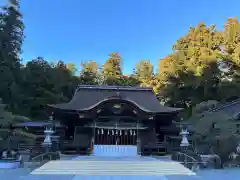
204	65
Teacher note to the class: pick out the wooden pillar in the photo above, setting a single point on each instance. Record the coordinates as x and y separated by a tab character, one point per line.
138	139
94	130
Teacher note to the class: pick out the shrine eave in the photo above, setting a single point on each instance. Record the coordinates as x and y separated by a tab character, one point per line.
87	98
67	107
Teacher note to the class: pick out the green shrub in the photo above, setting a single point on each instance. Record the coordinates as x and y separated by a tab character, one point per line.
225	147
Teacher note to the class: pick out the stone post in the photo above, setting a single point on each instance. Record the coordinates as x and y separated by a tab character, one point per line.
238	148
238	132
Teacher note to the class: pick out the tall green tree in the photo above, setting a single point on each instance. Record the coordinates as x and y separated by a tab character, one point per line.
191	74
64	88
45	83
144	71
38	87
89	73
11	38
72	68
112	69
145	75
230	56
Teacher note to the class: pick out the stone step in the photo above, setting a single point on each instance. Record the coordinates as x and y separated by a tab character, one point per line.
113	168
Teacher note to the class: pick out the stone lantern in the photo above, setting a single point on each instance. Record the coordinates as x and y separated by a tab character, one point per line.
48	132
184	134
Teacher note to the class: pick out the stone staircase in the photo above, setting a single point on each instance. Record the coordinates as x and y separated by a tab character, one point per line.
113	168
114	162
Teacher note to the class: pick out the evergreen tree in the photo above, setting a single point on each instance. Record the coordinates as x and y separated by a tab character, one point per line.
112	69
144	71
11	35
72	68
89	73
191	74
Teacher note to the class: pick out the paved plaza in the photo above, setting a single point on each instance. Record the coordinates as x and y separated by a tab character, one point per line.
23	174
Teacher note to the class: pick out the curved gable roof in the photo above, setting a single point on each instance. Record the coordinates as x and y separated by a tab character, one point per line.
88	97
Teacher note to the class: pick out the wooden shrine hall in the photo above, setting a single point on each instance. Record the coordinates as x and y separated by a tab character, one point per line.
100	118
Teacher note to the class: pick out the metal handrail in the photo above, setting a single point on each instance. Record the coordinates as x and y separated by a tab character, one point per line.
49	154
186	155
195	162
215	155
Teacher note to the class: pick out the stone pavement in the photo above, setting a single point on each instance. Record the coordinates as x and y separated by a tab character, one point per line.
23	174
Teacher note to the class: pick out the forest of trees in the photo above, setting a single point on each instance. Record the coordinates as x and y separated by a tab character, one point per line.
204	65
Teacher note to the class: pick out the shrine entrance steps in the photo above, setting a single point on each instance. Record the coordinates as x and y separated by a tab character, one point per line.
103	168
116	162
115	150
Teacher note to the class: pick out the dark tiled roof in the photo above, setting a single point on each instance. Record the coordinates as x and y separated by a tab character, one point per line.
87	97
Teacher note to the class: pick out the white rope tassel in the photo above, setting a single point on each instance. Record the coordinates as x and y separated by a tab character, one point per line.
98	131
112	132
131	132
108	132
120	132
125	132
116	132
134	133
102	131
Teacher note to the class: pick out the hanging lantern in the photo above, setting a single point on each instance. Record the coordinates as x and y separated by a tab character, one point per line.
102	131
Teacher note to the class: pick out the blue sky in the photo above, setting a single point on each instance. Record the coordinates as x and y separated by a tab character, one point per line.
80	30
